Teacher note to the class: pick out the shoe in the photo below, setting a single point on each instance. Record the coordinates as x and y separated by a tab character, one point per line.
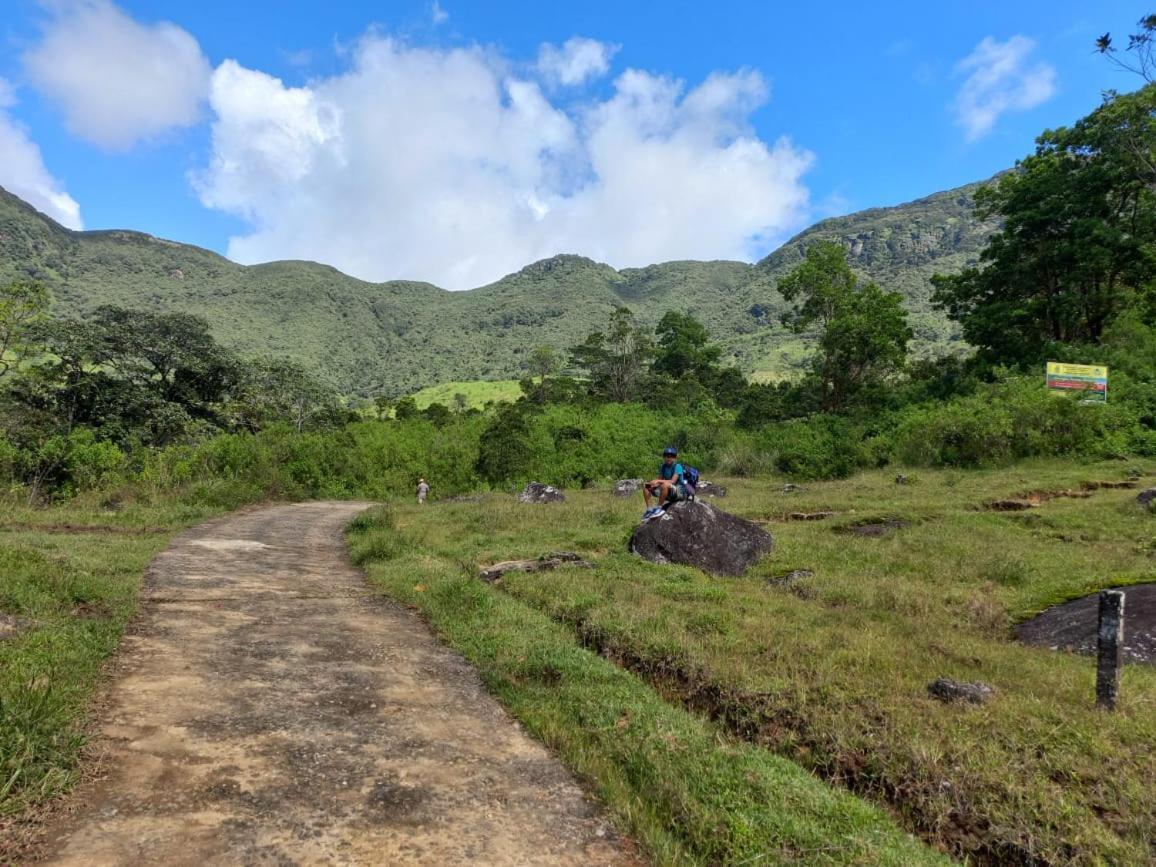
651	513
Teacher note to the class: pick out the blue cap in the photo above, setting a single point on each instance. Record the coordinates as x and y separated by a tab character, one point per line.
670	452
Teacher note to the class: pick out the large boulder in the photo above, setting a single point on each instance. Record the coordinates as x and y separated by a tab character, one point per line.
537	492
697	534
627	487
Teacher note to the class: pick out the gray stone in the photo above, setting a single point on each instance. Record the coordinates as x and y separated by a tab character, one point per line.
709	489
546	562
1146	496
537	492
697	534
947	690
627	487
792	489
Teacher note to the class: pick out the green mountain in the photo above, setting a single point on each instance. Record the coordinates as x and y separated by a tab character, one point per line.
399	336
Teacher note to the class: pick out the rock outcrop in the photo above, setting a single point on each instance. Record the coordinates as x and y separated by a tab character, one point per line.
697	534
627	487
537	492
709	489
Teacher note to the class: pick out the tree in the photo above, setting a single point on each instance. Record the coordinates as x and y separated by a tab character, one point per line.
684	347
504	450
21	304
616	361
277	390
406	407
1141	45
1076	248
543	362
862	330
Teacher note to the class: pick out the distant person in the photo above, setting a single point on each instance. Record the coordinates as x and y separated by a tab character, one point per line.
668	488
422	491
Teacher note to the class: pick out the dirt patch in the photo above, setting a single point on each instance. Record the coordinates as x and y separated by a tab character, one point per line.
1032	499
873	527
92	611
1073	625
266	710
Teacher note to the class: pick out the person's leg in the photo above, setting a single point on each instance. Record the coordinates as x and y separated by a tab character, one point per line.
664	492
646	494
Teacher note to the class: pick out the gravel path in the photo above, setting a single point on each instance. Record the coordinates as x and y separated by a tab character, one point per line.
270	709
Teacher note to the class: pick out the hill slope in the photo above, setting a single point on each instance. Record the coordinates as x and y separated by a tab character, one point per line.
394	337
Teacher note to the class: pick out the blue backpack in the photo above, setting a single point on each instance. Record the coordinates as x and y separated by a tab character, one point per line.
690	479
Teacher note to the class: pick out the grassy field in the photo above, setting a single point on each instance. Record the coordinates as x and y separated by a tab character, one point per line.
69	579
709	706
477	393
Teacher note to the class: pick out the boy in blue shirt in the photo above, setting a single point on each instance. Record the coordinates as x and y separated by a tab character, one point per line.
669	487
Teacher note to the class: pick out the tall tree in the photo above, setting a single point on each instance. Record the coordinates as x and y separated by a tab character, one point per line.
616	361
862	330
684	347
1076	247
21	304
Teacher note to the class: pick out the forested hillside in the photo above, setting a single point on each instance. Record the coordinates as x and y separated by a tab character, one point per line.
395	337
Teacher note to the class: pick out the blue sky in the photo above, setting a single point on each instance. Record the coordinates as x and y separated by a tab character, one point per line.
443	142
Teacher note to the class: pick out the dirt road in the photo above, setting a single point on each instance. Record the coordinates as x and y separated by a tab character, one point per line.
269	709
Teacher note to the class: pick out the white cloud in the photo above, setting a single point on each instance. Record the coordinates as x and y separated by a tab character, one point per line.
575	61
440	165
118	81
1001	77
22	170
437	13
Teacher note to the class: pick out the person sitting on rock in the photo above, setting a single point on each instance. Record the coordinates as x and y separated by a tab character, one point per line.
668	488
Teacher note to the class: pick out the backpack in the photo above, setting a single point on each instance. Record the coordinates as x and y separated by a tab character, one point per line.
690	479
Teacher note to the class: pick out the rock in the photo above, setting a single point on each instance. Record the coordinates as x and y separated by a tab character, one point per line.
536	492
788	579
697	534
627	487
709	489
544	563
1146	496
11	626
947	690
793	489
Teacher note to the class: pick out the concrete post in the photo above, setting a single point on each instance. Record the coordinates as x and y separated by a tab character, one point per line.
1110	648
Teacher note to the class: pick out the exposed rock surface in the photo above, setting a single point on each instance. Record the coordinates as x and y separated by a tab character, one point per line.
1073	625
697	534
1146	496
947	690
627	487
537	492
787	579
11	626
544	563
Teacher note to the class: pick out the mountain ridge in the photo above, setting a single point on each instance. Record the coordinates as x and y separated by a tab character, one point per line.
398	336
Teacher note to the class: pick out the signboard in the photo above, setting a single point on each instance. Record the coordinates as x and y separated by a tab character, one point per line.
1089	378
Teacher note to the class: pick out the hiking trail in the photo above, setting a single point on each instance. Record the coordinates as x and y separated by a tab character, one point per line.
269	707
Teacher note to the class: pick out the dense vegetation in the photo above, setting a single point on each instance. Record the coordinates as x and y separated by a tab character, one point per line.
397	337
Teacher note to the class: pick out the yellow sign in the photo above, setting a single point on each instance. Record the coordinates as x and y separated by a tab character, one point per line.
1089	378
1091	371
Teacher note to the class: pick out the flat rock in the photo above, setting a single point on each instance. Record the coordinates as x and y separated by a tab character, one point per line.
709	489
543	564
947	690
1146	496
697	534
1072	626
537	492
627	487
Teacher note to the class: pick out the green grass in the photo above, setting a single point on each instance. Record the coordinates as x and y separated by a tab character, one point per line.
71	573
829	674
477	393
689	794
